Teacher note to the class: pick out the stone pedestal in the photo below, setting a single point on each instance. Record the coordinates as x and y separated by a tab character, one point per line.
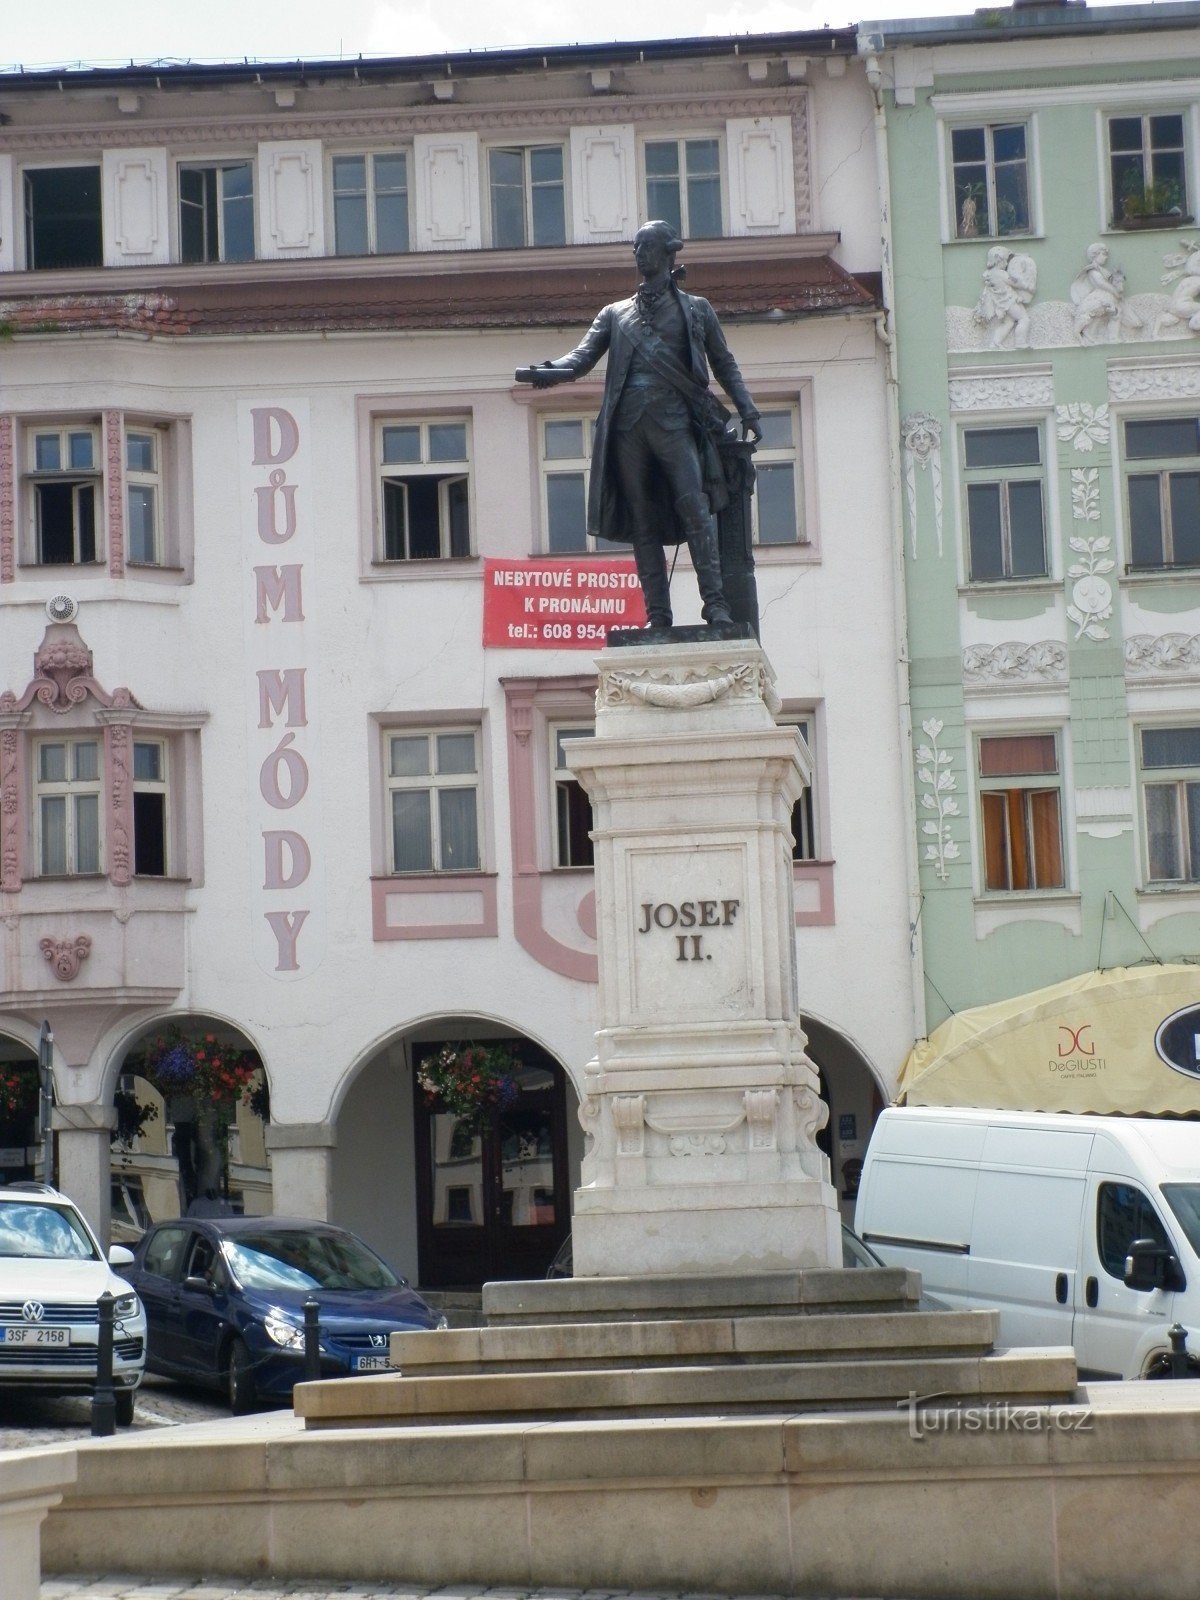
701	1107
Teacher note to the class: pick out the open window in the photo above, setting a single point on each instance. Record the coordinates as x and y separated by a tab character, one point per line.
424	488
62	217
63	488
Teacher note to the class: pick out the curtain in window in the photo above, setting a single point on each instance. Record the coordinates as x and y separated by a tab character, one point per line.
460	839
412	847
1017	757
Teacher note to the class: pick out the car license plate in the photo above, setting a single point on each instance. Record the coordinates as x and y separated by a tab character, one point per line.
372	1364
36	1336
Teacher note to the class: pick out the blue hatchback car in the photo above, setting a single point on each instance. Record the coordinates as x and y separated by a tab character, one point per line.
224	1299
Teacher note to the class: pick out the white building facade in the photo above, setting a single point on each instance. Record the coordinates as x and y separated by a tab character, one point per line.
262	464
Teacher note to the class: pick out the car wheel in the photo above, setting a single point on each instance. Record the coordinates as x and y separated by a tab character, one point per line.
239	1379
124	1399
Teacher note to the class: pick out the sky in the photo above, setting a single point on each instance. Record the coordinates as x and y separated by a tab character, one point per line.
115	32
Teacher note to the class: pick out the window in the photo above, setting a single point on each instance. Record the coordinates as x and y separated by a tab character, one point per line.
572	808
1022	814
143	496
62	217
991	180
1123	1214
804	832
64	481
68	807
424	489
216	212
528	198
683	185
1146	165
1006	530
777	507
1170	762
370	204
566	475
149	809
433	789
1163	491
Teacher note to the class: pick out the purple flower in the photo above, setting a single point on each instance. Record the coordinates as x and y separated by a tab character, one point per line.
175	1066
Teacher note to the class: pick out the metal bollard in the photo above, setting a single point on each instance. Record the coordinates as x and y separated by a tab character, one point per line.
1177	1334
104	1401
312	1341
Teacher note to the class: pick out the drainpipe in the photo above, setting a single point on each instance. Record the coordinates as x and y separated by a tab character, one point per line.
885	328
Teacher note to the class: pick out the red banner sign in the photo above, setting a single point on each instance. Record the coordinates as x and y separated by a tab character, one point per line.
565	605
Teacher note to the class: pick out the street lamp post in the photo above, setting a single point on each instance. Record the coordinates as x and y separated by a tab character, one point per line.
46	1082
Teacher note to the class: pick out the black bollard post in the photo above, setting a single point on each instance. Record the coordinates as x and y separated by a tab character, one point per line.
104	1401
1177	1334
312	1341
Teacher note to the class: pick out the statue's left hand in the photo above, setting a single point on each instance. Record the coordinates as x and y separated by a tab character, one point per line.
752	428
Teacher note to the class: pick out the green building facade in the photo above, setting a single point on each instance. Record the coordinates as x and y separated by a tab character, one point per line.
1044	277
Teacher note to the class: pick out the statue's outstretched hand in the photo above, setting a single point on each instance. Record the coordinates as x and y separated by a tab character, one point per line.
544	374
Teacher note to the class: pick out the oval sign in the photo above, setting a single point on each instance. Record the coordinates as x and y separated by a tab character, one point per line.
1177	1041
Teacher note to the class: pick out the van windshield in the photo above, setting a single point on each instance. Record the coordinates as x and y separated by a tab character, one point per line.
1184	1201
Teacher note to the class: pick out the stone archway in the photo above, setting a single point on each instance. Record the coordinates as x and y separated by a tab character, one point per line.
20	1153
447	1204
192	1108
855	1096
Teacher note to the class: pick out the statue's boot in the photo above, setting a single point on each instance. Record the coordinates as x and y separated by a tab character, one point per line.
697	523
651	561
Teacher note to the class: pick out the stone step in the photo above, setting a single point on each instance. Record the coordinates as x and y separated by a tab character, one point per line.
1024	1376
711	1341
664	1299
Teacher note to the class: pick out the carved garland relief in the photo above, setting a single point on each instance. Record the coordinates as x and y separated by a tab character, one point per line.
937	783
10	811
922	435
116	493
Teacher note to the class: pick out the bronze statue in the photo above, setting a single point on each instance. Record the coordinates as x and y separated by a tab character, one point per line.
657	474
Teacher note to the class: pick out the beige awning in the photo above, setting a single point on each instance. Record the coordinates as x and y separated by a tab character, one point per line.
1096	1043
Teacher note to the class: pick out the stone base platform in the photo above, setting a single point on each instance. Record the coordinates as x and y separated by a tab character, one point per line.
816	1341
1042	1503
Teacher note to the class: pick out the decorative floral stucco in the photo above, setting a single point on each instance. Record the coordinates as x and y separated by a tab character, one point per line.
938	784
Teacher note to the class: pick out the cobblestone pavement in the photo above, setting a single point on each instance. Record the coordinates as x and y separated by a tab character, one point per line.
115	1587
27	1419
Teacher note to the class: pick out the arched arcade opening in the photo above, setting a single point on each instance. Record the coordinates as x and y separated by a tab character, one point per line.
855	1096
458	1148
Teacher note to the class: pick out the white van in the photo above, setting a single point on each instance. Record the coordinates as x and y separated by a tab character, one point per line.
1081	1230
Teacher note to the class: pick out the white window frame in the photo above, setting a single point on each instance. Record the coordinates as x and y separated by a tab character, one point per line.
1146	153
1002	477
681	141
90	478
397	472
526	148
767	456
69	789
152	480
1030	784
370	194
562	779
27	242
431	783
160	786
1163	468
577	467
1178	778
220	165
988	126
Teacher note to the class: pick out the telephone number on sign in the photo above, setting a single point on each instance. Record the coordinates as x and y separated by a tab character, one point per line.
36	1336
574	630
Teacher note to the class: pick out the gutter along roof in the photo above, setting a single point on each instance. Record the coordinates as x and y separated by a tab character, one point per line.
781	288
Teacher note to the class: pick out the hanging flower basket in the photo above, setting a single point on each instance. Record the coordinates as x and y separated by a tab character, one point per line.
18	1091
473	1081
217	1076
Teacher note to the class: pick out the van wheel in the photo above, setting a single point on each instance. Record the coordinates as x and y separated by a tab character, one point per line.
124	1399
239	1380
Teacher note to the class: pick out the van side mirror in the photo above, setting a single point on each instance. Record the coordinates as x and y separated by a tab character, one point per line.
1150	1265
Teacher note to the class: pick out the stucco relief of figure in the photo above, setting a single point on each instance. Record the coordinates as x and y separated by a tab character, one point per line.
1098	295
1009	285
1185	296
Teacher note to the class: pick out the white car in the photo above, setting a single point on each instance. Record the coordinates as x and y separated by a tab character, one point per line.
52	1273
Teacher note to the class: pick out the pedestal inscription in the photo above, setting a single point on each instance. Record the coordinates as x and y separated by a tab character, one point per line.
701	1106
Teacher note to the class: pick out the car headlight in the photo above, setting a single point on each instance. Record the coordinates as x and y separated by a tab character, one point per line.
282	1332
126	1305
